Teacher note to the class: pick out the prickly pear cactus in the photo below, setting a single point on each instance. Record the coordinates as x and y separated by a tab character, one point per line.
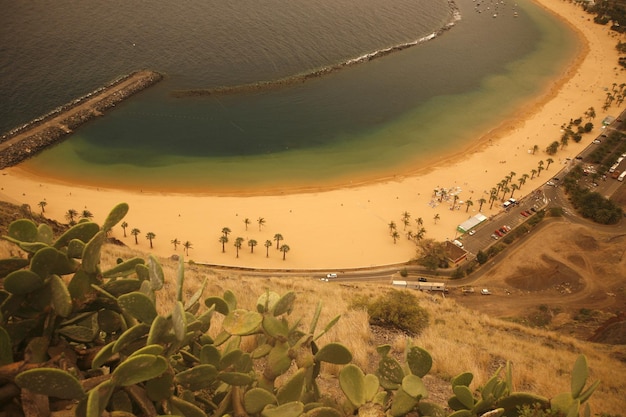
79	335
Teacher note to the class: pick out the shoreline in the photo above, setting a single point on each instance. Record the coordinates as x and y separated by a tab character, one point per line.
346	226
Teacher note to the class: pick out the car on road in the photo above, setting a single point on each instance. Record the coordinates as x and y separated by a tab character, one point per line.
597	141
485	291
550	183
331	275
422	279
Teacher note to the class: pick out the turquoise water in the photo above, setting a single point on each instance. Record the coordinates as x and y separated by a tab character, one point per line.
376	118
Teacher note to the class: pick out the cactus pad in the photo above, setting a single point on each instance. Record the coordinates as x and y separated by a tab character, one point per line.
138	368
51	382
256	399
242	322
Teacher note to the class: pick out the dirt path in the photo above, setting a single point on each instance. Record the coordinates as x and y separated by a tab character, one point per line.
577	269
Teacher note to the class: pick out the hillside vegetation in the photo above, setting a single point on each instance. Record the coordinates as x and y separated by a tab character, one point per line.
459	340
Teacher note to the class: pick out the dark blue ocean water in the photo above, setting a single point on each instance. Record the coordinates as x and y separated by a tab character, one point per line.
365	117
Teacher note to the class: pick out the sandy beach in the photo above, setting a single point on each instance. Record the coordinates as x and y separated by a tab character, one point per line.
347	227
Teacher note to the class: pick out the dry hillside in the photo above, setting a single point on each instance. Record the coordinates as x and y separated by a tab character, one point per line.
575	269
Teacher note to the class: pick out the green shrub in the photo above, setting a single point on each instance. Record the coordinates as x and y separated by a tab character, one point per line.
482	257
399	309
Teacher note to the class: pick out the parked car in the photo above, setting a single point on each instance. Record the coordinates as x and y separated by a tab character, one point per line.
524	213
497	232
494	237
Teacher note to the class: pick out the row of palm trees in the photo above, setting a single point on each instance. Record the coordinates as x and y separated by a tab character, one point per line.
151	236
616	95
252	243
507	185
410	235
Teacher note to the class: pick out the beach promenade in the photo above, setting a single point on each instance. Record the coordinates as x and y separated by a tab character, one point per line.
27	140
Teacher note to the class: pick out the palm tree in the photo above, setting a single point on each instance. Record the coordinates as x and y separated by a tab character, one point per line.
70	215
420	234
409	235
252	243
225	231
535	148
540	164
549	161
223	240
187	245
284	249
238	242
436	218
246	221
513	188
43	205
481	201
505	190
86	214
124	226
442	193
493	196
539	169
419	221
468	203
590	113
278	237
135	232
261	222
392	226
533	172
150	236
395	235
175	242
406	217
512	174
267	244
456	197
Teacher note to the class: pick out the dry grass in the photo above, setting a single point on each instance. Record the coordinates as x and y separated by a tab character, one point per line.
458	339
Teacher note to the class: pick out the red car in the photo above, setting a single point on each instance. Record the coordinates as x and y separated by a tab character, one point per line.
523	213
499	233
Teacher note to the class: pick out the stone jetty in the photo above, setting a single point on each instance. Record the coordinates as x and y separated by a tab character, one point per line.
33	137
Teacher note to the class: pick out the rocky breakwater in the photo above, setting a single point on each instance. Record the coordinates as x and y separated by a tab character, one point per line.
28	140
